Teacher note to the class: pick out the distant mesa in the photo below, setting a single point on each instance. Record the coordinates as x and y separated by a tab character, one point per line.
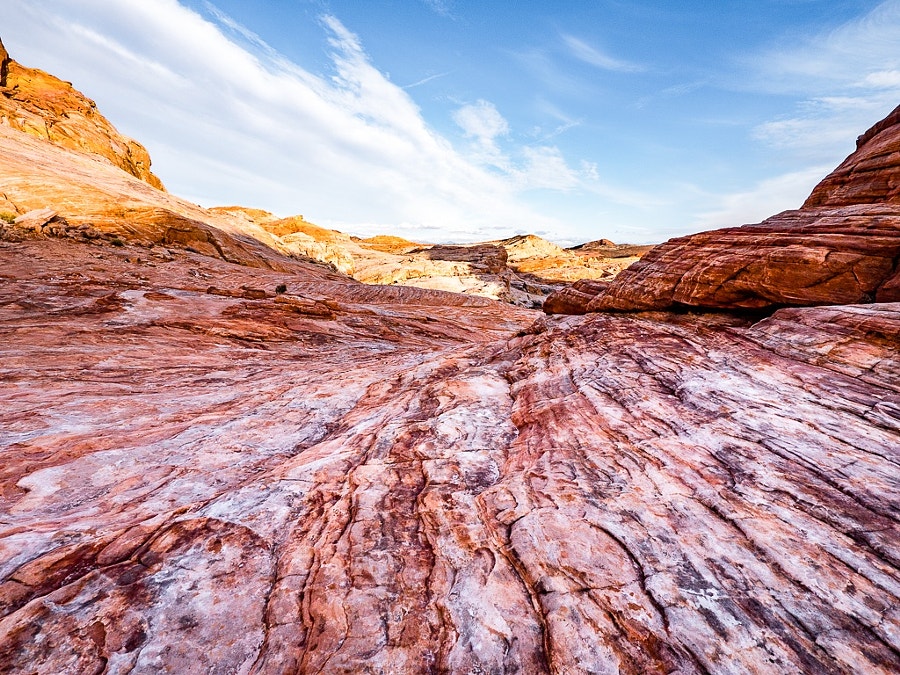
600	243
388	244
841	247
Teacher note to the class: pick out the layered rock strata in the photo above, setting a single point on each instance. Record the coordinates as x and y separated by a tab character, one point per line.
46	107
871	175
218	456
599	260
843	246
414	483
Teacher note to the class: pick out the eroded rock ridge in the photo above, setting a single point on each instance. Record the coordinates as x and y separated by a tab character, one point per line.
46	107
842	246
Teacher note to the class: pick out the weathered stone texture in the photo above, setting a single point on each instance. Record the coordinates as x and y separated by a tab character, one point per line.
220	456
871	175
206	483
46	107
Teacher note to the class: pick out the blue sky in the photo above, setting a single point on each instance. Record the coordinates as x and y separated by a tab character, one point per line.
457	120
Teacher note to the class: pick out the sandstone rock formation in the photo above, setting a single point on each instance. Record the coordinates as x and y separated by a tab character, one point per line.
871	175
536	257
574	299
203	483
98	200
220	456
842	247
46	107
521	270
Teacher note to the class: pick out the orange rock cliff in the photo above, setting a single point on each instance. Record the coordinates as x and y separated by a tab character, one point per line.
46	107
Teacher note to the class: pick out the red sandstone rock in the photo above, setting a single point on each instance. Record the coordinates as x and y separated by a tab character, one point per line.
842	247
199	483
871	175
483	257
807	257
200	476
574	299
4	64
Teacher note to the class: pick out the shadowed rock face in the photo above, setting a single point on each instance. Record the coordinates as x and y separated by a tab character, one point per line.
574	299
843	246
218	458
4	64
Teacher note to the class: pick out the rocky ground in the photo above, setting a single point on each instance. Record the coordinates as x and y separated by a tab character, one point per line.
419	482
220	456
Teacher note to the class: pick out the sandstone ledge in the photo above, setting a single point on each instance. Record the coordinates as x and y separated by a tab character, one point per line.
842	247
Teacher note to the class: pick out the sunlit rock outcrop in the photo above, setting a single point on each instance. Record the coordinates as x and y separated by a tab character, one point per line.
46	107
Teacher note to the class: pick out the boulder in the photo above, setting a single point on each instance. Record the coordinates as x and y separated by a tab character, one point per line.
36	219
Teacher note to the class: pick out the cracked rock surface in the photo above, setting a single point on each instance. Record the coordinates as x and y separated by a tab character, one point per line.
194	482
219	457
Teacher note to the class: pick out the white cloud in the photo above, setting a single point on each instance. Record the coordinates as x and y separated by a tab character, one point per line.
537	167
844	80
481	121
882	79
546	168
863	53
582	51
426	80
848	78
228	122
765	199
824	126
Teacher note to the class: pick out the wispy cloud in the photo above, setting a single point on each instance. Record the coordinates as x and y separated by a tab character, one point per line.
238	29
583	51
766	198
860	53
234	121
482	121
442	7
545	70
844	80
821	125
425	80
531	167
546	168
